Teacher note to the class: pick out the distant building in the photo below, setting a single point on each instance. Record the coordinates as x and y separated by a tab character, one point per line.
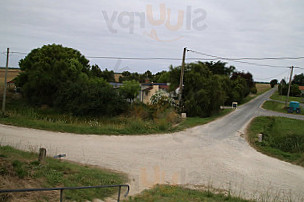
117	76
149	89
302	90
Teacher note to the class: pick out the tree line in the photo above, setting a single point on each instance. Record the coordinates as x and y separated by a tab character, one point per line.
62	78
298	80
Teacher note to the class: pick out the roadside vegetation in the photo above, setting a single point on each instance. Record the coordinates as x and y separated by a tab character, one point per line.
279	107
261	88
137	121
283	138
20	170
61	91
277	96
176	193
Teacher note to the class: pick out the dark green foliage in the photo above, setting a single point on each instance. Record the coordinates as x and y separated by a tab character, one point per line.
273	82
130	90
161	77
247	76
298	79
294	90
106	74
205	90
93	97
202	93
253	90
141	78
61	77
219	67
45	69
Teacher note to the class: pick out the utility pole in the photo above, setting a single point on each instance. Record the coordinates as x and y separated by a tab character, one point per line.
181	81
5	84
286	102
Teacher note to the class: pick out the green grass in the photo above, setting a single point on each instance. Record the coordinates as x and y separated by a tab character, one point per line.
20	114
283	138
278	107
22	170
166	193
276	96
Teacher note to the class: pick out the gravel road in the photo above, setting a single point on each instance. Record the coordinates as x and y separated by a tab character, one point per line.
214	154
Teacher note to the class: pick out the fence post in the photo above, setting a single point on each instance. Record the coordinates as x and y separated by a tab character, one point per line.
42	154
118	199
61	195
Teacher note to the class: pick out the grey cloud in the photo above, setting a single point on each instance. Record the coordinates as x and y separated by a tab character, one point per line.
236	28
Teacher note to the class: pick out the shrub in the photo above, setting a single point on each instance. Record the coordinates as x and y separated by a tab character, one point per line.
253	90
162	100
95	98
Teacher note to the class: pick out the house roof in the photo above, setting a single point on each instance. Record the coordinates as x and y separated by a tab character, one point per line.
301	87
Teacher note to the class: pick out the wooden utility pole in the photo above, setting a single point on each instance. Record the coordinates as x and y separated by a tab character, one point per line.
5	82
286	102
181	81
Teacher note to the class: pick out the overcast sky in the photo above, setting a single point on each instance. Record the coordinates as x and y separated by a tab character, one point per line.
142	28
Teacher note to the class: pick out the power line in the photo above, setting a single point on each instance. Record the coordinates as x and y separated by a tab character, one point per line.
237	60
273	76
251	58
214	57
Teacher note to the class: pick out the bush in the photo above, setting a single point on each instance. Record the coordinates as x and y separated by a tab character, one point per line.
95	98
160	99
294	90
273	82
253	90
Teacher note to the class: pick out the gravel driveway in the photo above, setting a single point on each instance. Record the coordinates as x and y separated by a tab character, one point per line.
214	154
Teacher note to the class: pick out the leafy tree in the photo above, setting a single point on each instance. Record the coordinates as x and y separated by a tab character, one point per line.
130	89
273	82
298	79
106	74
247	76
294	89
161	77
202	92
220	68
148	76
96	71
45	70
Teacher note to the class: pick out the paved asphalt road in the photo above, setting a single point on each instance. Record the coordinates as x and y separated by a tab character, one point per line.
214	154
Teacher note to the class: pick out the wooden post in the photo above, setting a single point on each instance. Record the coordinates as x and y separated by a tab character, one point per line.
287	97
42	154
5	83
181	81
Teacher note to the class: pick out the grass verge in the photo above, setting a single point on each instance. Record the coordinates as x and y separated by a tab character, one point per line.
283	138
276	96
278	107
20	114
20	169
176	193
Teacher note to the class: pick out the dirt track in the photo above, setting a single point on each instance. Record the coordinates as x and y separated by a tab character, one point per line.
213	154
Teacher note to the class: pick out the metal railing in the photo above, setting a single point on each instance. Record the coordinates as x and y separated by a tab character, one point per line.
69	188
